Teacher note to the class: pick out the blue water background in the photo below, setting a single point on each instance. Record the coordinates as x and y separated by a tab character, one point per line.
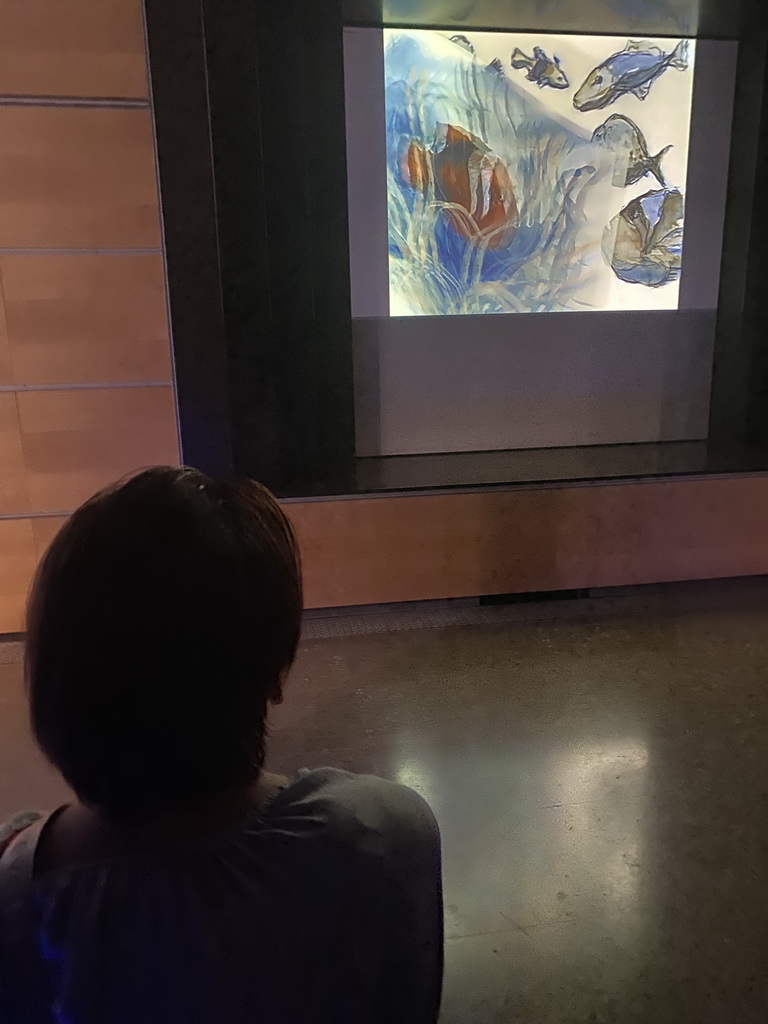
545	266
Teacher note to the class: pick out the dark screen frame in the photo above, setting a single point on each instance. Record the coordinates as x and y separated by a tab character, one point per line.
256	238
253	185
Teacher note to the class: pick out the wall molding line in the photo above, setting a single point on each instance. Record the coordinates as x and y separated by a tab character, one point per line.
14	516
37	251
108	102
89	386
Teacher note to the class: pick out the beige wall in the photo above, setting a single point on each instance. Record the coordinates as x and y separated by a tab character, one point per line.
85	365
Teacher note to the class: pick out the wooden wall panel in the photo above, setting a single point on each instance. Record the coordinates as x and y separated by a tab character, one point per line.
79	319
75	442
6	369
85	362
690	529
77	178
72	48
407	549
44	529
17	566
14	492
377	550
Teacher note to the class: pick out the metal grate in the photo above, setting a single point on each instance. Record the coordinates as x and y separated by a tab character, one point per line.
347	623
654	599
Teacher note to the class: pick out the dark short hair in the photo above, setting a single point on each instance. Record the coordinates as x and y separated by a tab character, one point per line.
161	621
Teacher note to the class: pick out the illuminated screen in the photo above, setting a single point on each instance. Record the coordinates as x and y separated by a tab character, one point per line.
533	173
528	173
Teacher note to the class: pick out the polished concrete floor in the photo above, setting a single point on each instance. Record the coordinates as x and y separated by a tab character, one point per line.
600	774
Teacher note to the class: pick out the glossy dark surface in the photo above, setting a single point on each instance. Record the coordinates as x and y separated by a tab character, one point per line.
598	770
532	465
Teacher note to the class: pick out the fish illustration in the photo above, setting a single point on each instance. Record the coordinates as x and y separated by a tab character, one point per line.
472	181
496	67
644	242
541	69
633	161
633	70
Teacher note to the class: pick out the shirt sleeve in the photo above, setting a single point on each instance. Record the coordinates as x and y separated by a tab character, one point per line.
413	980
393	837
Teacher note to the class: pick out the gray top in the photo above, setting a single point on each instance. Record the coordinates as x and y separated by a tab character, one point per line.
323	907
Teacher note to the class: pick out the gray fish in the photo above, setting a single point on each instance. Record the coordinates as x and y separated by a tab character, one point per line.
634	69
542	70
633	161
644	242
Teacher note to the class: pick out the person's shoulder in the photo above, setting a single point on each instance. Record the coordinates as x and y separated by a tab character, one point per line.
358	793
350	804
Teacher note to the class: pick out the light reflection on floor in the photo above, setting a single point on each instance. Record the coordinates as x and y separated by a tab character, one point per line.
590	859
588	777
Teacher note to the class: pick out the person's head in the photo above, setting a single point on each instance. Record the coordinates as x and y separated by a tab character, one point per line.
160	625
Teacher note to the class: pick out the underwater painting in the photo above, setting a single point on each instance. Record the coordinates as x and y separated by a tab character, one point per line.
535	173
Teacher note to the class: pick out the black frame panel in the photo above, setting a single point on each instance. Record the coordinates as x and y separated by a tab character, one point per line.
176	43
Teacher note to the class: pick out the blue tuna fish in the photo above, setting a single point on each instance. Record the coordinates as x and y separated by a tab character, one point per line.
634	69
